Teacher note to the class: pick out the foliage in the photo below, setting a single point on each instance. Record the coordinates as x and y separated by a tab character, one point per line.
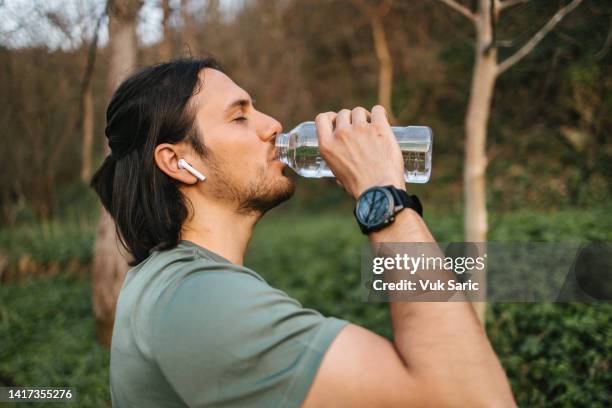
549	149
50	241
549	141
48	338
554	354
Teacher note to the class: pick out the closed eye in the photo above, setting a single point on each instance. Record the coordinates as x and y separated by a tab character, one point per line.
240	119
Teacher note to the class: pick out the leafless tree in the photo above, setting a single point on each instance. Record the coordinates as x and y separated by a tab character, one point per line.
375	15
165	48
188	38
87	110
110	266
487	69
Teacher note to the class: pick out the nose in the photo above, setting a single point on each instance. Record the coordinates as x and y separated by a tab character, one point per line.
271	128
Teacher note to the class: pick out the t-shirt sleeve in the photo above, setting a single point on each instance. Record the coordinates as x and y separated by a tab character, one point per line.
227	339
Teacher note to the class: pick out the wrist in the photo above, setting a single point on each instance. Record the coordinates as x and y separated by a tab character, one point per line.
399	184
408	227
377	207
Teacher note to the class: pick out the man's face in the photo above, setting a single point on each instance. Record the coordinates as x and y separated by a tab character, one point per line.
240	163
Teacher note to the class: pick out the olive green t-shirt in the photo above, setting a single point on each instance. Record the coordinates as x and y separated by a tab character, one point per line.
193	329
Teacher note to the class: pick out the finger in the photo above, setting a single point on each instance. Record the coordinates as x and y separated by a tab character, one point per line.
324	125
359	115
333	116
343	119
379	116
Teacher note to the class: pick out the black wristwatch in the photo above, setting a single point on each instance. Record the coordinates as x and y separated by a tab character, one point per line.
377	206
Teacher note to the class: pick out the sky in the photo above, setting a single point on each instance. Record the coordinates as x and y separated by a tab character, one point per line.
29	22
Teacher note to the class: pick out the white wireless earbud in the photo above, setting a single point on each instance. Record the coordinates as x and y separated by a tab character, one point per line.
184	165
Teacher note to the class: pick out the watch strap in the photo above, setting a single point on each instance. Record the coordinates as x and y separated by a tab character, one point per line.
405	200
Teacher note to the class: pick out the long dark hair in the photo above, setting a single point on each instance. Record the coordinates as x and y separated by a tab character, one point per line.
149	108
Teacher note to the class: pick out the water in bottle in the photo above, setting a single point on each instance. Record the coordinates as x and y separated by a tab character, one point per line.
299	149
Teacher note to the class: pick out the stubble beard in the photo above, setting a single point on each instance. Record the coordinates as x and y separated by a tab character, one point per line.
256	196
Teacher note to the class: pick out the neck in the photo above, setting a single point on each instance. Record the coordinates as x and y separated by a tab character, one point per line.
219	228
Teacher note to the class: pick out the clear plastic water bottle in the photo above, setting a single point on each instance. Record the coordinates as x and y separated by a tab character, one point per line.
299	149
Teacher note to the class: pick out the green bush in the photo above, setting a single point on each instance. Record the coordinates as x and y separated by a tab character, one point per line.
554	354
50	241
48	338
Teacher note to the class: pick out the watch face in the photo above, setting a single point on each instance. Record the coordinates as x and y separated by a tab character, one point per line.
374	207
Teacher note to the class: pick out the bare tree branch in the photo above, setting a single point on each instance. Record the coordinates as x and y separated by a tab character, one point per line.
381	10
460	8
606	46
510	3
535	40
384	7
91	53
54	155
60	22
363	7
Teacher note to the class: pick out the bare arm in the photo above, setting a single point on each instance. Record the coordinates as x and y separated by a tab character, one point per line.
440	354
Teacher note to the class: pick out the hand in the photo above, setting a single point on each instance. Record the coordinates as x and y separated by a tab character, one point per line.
361	153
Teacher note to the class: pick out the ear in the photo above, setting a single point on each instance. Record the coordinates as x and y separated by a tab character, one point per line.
167	156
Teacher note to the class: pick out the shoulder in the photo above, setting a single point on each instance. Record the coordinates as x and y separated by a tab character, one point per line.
221	307
224	329
224	299
196	281
184	264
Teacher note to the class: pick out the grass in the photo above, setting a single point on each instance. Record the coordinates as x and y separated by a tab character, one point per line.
554	354
48	338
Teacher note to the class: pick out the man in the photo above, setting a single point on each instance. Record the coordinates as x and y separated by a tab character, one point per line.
194	327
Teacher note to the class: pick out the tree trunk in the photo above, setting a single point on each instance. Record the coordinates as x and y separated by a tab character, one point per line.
190	44
486	71
109	265
475	167
88	130
476	121
87	110
165	48
385	64
109	269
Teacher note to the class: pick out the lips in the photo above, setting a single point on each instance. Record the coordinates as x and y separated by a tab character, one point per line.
274	155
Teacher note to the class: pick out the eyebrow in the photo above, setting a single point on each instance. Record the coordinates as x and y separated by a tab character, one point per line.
242	103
